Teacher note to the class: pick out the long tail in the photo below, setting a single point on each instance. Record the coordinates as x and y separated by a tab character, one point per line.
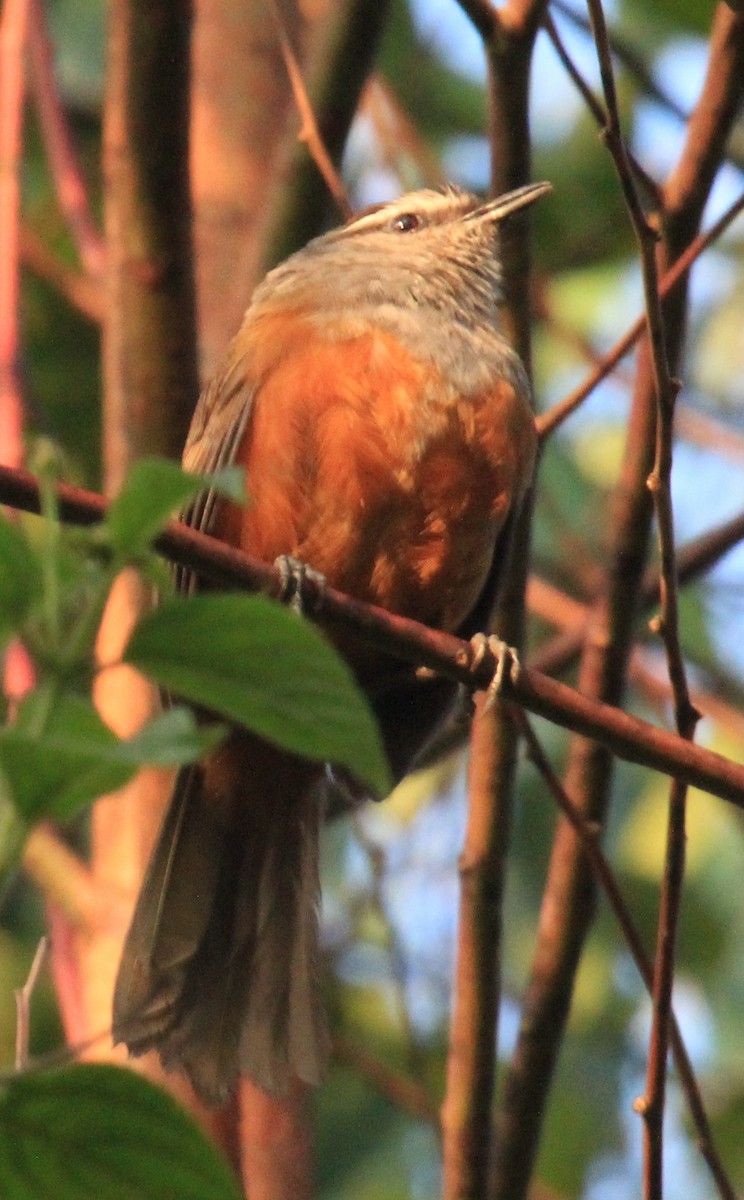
220	967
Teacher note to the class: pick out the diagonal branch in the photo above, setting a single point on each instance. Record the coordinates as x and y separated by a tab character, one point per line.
605	876
591	101
549	421
693	560
309	132
61	153
629	737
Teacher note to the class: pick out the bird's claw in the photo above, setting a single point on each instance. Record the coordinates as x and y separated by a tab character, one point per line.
507	663
293	578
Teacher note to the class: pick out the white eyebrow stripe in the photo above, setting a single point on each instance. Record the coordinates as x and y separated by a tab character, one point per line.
446	205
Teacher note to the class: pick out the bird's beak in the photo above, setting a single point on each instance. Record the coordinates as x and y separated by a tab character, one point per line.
503	206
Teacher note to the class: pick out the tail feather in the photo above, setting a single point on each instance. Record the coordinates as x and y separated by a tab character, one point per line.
220	967
285	1027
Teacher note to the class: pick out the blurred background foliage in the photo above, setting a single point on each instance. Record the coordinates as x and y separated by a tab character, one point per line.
390	876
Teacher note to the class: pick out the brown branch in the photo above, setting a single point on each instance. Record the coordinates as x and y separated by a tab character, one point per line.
483	15
15	667
606	878
570	888
309	132
708	432
689	186
340	43
555	607
693	560
471	1062
685	195
471	1065
275	1142
549	421
149	346
627	736
80	291
150	385
591	101
60	147
400	1090
397	133
13	31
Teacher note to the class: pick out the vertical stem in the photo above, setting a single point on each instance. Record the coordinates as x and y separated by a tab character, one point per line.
466	1113
149	347
17	668
13	25
471	1065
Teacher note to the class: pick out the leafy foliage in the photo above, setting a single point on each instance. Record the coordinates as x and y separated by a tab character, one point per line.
97	1132
253	661
240	656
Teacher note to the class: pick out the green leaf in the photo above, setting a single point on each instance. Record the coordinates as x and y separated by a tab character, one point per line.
68	763
249	659
97	1132
153	491
13	833
171	739
75	757
20	576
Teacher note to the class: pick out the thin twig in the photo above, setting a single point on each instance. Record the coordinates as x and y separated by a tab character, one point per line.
61	1056
309	132
606	878
709	433
693	560
549	421
60	147
591	101
557	608
377	862
408	1095
397	132
652	1106
79	290
630	59
23	1005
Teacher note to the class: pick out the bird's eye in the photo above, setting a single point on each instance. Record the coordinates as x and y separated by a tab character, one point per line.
406	222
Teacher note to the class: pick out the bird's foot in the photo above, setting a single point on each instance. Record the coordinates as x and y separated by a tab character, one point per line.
294	576
507	663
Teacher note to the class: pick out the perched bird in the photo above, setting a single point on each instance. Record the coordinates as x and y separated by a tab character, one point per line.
385	428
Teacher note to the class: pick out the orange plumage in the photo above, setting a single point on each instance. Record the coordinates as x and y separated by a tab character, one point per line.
384	426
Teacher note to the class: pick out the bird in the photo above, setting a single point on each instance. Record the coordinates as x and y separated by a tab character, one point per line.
384	424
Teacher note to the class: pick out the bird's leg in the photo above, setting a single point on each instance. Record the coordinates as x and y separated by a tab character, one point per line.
507	662
294	575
